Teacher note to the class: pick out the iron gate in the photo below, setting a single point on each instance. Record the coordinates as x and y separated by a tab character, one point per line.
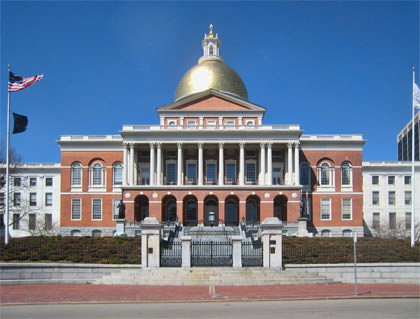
211	253
252	254
170	253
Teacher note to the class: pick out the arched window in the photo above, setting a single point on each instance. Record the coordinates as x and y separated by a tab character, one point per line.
191	212
76	174
346	174
171	210
305	174
96	233
325	174
97	175
347	233
211	50
76	233
326	233
231	213
117	173
252	210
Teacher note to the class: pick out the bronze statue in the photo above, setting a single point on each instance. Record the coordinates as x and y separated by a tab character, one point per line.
121	210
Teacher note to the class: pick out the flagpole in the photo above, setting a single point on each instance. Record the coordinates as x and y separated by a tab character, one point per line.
413	177
6	229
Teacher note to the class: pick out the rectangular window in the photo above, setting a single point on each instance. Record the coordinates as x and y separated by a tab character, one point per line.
211	123
192	173
211	172
325	208
32	181
16	199
407	221
391	180
407	180
375	180
32	221
32	199
49	181
96	209
48	199
392	221
48	221
276	175
375	198
391	198
115	210
191	123
16	181
376	222
170	173
16	221
76	208
230	123
145	175
346	209
407	197
231	172
251	172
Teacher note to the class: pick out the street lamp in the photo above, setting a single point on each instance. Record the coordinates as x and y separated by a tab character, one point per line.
212	218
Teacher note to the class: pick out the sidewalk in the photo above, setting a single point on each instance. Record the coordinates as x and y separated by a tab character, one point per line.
30	294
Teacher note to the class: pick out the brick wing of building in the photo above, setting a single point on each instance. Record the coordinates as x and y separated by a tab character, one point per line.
211	152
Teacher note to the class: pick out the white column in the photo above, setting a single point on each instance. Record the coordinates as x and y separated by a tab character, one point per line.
125	173
152	164
297	163
262	164
241	163
131	164
269	164
221	164
159	164
200	164
289	163
180	164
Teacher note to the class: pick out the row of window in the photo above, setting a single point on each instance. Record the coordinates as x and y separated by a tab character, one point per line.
392	221
346	209
391	180
32	221
326	174
17	181
210	123
96	174
17	199
345	233
76	208
391	198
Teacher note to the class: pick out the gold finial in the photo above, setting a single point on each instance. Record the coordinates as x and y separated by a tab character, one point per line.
211	35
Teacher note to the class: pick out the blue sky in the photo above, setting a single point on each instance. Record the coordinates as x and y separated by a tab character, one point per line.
332	67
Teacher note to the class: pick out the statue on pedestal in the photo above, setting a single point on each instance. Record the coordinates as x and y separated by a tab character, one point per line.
121	210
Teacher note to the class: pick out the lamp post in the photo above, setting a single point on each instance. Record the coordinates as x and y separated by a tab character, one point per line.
212	218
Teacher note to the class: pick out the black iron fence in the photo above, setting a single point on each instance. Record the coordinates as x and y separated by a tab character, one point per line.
252	253
211	253
170	253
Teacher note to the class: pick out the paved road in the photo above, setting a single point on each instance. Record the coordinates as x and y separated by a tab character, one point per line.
313	309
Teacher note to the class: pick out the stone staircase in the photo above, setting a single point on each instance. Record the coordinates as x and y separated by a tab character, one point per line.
220	276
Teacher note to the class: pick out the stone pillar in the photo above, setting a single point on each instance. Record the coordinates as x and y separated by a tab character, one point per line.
131	164
200	164
150	242
159	165
289	163
271	237
297	164
186	251
180	165
152	164
262	164
237	251
241	163
221	164
125	173
269	164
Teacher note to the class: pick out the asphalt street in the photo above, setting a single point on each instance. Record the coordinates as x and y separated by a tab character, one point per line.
407	308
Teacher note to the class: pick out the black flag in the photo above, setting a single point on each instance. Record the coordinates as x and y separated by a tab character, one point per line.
21	121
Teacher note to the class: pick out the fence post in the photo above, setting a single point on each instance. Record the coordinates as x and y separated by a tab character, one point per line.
186	251
271	237
236	251
150	242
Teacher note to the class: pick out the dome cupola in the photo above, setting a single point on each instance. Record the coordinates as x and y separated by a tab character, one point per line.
211	73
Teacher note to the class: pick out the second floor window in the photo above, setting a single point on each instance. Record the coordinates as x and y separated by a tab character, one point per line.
230	172
211	173
16	199
304	174
346	174
171	172
97	179
251	172
117	174
76	174
48	199
407	197
192	172
76	208
325	174
325	208
32	199
375	198
391	198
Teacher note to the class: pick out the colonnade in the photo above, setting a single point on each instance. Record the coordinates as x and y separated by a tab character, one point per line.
264	172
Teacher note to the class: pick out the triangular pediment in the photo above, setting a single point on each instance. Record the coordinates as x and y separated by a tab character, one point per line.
211	101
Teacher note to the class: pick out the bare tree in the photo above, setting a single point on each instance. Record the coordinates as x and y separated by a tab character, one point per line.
400	231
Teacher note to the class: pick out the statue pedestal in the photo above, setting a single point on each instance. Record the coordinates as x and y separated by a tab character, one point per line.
120	228
303	228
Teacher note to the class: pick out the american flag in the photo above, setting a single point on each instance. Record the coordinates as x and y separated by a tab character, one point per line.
17	82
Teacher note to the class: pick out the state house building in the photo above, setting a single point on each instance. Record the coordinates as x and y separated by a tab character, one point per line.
211	152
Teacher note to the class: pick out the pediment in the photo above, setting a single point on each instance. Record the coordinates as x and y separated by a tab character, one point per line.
211	101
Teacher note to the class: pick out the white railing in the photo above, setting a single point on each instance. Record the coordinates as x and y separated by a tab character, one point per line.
187	127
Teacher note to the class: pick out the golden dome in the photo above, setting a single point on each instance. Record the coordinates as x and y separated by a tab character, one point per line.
211	74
